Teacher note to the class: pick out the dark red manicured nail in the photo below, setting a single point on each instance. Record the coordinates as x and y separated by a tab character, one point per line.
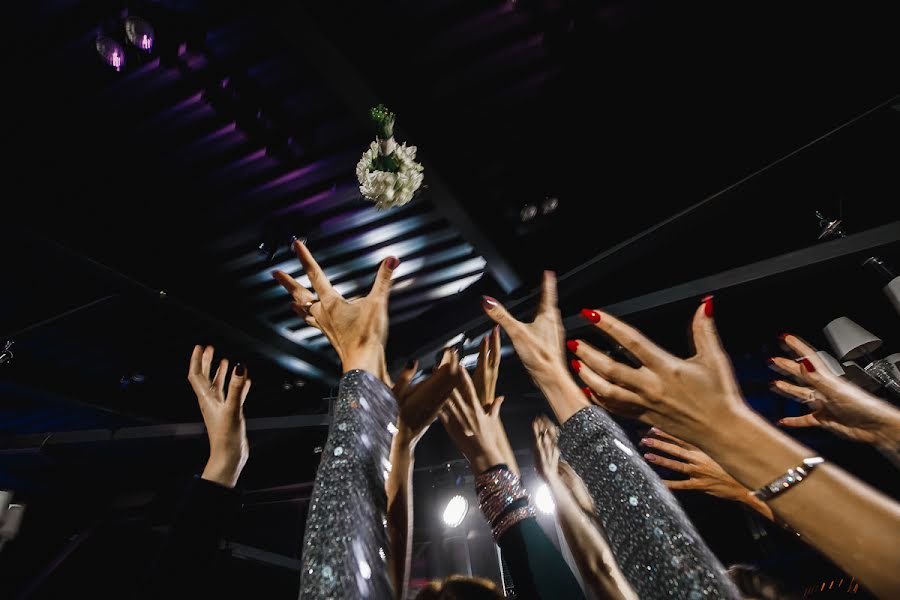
572	345
392	262
239	370
576	365
488	302
808	365
591	315
783	336
587	392
773	383
708	306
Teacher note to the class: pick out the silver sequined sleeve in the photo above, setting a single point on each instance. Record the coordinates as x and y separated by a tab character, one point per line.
346	539
654	543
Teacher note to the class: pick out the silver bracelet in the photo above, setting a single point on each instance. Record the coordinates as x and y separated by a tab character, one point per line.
789	479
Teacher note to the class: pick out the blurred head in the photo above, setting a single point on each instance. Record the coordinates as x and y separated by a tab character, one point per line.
756	585
458	587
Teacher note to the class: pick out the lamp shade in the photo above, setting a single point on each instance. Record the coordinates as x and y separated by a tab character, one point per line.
892	290
832	363
849	340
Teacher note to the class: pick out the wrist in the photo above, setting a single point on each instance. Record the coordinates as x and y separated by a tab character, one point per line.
369	359
223	469
888	431
486	459
562	393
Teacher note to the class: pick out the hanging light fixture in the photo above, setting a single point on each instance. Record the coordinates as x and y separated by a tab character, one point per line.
111	52
139	33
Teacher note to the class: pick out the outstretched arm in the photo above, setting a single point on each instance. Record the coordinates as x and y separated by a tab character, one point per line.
590	549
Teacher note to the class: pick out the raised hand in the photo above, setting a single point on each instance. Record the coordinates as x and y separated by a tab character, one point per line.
421	403
546	449
357	329
680	396
838	405
540	347
476	431
223	415
487	370
703	473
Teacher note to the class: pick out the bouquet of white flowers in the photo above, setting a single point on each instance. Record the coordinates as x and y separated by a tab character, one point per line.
388	173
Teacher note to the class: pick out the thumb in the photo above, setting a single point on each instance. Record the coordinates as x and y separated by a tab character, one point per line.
238	387
501	316
382	285
495	406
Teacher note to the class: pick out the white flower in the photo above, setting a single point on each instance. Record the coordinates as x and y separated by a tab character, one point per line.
389	189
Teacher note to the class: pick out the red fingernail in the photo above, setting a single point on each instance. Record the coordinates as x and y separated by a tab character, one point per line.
650	457
576	365
770	361
591	315
572	345
488	302
783	336
773	383
808	365
708	306
239	370
392	262
587	392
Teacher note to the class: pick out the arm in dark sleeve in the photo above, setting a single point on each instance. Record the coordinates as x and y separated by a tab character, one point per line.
537	568
346	533
652	539
185	565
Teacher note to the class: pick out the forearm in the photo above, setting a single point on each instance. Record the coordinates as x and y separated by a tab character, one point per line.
844	518
888	433
589	547
400	513
344	529
643	522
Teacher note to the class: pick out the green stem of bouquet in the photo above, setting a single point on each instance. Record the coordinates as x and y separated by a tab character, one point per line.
383	119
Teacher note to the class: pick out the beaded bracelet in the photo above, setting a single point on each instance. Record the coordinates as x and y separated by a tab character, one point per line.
510	519
497	490
791	478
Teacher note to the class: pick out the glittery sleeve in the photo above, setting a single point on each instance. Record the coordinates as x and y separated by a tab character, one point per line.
346	538
654	543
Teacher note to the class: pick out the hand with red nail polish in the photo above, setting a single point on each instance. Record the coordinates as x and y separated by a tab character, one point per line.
356	329
223	415
541	346
701	471
837	404
683	396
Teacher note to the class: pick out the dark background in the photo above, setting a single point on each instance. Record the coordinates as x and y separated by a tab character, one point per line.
664	130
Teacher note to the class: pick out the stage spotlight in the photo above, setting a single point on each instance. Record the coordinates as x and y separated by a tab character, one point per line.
456	511
544	500
111	52
140	33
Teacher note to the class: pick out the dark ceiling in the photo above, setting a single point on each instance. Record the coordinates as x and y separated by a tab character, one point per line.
244	125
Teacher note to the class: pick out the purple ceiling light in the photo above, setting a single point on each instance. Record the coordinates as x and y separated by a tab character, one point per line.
111	52
140	33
